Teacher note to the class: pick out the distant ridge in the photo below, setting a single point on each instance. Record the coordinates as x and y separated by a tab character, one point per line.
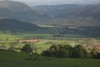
19	10
59	15
71	14
14	25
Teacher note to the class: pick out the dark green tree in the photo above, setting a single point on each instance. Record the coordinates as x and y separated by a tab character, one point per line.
80	52
66	51
27	49
70	49
63	53
46	53
57	51
55	47
94	53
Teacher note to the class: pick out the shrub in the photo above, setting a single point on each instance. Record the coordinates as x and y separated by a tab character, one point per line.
27	49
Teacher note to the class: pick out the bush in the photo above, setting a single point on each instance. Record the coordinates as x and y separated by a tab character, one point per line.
79	52
27	49
63	53
94	53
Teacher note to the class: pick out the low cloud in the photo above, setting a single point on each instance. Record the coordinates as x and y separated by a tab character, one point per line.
60	1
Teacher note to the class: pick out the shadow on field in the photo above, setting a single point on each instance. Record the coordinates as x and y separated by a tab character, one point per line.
38	59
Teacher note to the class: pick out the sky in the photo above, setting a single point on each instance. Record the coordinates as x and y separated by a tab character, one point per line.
49	2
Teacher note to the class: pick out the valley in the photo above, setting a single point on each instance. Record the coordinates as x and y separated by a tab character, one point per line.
53	35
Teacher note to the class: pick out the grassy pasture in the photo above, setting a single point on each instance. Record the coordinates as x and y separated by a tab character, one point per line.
6	39
43	44
14	59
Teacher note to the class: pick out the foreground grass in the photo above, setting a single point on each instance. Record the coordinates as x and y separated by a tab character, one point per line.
14	59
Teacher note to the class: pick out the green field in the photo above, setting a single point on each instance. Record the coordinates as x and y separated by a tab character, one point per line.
17	59
44	41
14	59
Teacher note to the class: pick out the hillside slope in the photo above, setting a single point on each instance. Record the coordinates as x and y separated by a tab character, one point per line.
71	14
16	26
20	11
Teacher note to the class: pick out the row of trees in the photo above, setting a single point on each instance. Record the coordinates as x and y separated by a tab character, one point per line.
67	51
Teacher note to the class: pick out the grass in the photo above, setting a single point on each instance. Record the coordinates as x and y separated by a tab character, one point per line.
6	39
27	35
14	59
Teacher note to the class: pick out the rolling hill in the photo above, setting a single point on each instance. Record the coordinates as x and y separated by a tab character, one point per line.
19	10
16	26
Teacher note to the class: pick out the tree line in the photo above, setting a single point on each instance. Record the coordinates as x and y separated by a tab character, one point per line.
67	51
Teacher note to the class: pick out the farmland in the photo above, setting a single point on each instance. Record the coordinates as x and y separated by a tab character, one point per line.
44	41
17	59
49	33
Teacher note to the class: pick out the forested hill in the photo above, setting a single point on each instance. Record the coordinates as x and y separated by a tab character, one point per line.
71	14
20	11
16	26
64	14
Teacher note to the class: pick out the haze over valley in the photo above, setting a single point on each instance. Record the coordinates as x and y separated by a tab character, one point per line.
62	14
49	33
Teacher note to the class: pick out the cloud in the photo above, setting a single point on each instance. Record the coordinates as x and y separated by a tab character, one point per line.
60	1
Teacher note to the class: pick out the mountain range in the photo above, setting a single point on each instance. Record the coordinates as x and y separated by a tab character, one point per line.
19	10
72	14
60	15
